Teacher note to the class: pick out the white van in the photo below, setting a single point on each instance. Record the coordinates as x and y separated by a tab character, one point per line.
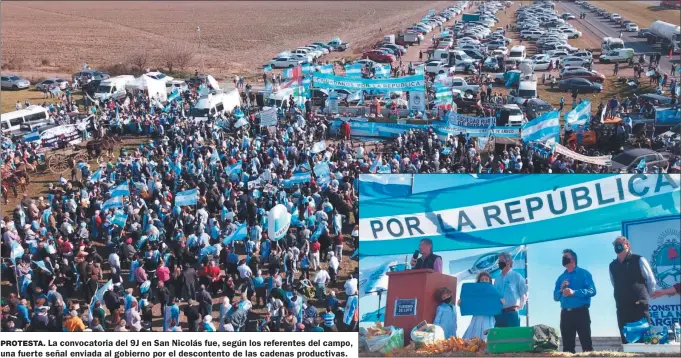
276	99
527	88
113	87
214	104
12	121
620	55
611	43
517	53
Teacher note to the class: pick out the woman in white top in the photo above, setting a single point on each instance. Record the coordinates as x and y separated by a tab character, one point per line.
133	319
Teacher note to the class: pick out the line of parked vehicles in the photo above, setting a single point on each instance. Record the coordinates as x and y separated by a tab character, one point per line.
306	54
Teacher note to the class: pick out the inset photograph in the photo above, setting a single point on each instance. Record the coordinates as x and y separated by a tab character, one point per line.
486	264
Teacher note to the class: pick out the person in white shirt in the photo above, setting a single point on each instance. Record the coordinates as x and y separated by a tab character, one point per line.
244	271
133	319
334	264
320	281
274	308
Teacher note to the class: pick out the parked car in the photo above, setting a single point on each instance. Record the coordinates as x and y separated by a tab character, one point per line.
378	56
632	27
573	61
630	159
580	84
284	62
92	74
60	83
159	76
643	32
592	76
178	85
14	82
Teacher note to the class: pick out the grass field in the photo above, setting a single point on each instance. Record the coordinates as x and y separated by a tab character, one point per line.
642	13
8	99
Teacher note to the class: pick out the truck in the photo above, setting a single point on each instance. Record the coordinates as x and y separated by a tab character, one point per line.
459	83
668	35
470	17
389	39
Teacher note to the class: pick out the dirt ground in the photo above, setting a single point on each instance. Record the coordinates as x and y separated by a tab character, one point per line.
642	13
236	37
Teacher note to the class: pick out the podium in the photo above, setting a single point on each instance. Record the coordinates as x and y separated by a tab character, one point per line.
411	298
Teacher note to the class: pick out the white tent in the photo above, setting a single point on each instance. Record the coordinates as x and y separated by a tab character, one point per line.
155	88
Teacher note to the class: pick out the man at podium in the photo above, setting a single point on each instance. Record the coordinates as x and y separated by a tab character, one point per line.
428	259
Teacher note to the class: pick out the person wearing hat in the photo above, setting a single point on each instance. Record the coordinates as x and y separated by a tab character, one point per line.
206	325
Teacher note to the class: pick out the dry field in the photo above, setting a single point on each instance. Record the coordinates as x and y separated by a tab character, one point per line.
236	37
641	12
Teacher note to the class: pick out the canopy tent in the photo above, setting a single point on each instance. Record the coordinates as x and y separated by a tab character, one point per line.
155	88
514	210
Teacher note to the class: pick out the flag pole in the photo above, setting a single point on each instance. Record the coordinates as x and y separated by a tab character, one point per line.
527	304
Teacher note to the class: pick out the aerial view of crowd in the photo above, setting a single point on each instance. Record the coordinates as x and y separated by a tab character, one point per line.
185	225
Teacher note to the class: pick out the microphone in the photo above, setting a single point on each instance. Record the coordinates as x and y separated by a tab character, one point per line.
416	254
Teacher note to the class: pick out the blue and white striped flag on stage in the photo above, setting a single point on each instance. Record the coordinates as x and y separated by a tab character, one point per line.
235	168
545	128
353	70
307	69
97	175
16	251
327	69
239	234
121	190
374	166
581	115
187	197
112	203
443	94
287	73
99	295
374	279
382	70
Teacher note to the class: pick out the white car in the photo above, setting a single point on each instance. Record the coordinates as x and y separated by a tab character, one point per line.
178	85
468	40
584	54
572	33
557	54
365	62
437	67
632	27
159	76
301	57
57	82
305	51
314	52
573	61
570	69
284	62
503	50
615	17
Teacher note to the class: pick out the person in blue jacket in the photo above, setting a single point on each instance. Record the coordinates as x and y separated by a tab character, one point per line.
445	315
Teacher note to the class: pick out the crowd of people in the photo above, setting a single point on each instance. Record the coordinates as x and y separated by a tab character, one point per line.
117	247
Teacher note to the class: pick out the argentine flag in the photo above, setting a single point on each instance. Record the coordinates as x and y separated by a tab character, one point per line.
234	168
545	128
116	202
98	297
373	186
239	234
16	251
318	147
581	115
96	176
187	197
121	190
326	69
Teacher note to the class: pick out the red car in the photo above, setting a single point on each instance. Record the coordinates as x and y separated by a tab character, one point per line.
379	56
592	76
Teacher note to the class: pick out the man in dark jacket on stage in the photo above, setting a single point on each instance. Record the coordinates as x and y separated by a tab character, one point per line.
428	259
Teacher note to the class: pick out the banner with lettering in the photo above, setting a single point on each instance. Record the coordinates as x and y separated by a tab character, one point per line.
414	83
539	208
659	241
442	129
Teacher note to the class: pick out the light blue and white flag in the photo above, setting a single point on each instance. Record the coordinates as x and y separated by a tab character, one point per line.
384	186
545	128
267	69
298	178
318	147
374	279
443	94
581	115
235	168
116	202
31	137
121	190
99	295
187	197
374	316
239	234
326	69
382	70
119	219
42	266
485	214
353	70
97	175
16	251
322	169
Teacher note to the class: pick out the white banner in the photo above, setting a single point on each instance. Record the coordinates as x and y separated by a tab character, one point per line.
602	160
659	241
268	117
184	345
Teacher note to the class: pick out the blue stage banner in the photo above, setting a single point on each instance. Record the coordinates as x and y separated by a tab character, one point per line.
441	128
667	116
414	83
487	214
